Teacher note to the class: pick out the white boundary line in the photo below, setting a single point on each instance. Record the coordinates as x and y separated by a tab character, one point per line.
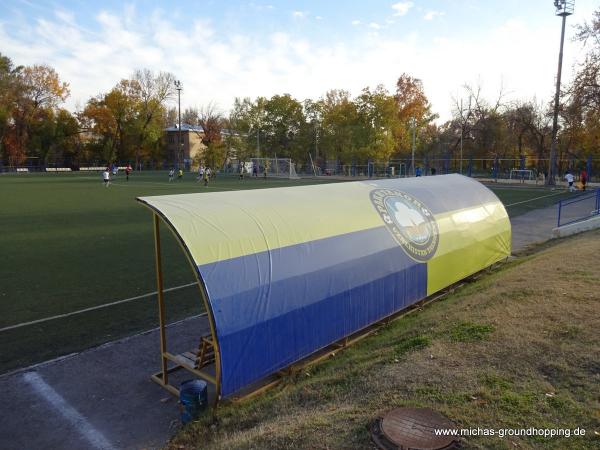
79	423
93	308
527	201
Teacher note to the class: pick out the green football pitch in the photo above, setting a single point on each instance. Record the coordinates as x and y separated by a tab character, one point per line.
69	244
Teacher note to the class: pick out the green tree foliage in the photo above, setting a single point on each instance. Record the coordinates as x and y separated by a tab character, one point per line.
126	124
581	114
31	122
282	124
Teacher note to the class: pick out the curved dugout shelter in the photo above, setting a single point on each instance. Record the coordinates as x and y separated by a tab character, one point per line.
285	272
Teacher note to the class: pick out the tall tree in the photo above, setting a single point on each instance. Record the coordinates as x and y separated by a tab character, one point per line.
153	91
37	91
413	107
282	124
128	121
379	122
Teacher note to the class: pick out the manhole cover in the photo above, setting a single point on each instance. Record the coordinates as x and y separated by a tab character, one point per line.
412	429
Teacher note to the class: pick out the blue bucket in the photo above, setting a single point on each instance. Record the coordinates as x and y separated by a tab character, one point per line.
193	397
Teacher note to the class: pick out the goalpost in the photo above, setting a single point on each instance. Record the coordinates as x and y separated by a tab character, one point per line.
275	167
521	174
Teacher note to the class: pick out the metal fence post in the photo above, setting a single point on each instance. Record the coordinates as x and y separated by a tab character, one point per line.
559	210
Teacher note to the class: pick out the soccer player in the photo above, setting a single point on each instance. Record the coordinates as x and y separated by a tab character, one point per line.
206	176
171	174
241	171
128	170
106	177
180	174
583	178
570	178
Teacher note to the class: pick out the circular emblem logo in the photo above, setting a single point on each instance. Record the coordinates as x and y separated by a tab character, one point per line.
409	221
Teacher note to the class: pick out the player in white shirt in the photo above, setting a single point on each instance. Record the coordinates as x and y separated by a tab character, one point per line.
570	178
106	177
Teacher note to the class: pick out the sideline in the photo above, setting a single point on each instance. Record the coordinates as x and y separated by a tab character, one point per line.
535	198
94	437
93	308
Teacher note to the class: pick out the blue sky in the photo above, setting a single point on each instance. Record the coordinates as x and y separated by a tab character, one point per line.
220	50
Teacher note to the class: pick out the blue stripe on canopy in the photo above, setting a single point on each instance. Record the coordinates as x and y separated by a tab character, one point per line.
274	308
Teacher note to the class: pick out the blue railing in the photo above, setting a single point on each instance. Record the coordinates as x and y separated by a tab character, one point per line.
567	206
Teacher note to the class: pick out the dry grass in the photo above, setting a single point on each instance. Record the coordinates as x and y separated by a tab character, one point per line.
516	349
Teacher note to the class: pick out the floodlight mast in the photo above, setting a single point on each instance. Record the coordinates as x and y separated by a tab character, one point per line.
179	141
413	122
564	8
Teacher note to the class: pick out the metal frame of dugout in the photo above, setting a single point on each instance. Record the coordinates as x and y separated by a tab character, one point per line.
197	361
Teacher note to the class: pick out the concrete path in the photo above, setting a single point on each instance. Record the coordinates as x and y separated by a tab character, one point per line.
536	226
103	398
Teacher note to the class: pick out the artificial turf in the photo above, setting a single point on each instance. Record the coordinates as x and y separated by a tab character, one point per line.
69	243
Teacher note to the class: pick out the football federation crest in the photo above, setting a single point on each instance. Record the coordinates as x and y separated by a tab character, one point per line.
409	221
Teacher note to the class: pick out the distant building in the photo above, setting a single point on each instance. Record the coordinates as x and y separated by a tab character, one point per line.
192	147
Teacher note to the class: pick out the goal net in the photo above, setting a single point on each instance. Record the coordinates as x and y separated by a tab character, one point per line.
521	174
275	167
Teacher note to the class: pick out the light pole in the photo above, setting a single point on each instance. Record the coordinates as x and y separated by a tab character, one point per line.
316	139
413	122
564	8
179	142
462	131
258	142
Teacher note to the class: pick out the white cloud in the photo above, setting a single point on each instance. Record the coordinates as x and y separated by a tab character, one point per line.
319	18
299	14
374	25
430	15
217	66
259	7
356	22
402	8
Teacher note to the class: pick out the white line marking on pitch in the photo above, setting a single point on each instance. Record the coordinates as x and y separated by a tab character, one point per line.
532	199
92	308
76	420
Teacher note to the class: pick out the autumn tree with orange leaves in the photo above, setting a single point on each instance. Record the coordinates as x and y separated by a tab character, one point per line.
412	104
29	111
